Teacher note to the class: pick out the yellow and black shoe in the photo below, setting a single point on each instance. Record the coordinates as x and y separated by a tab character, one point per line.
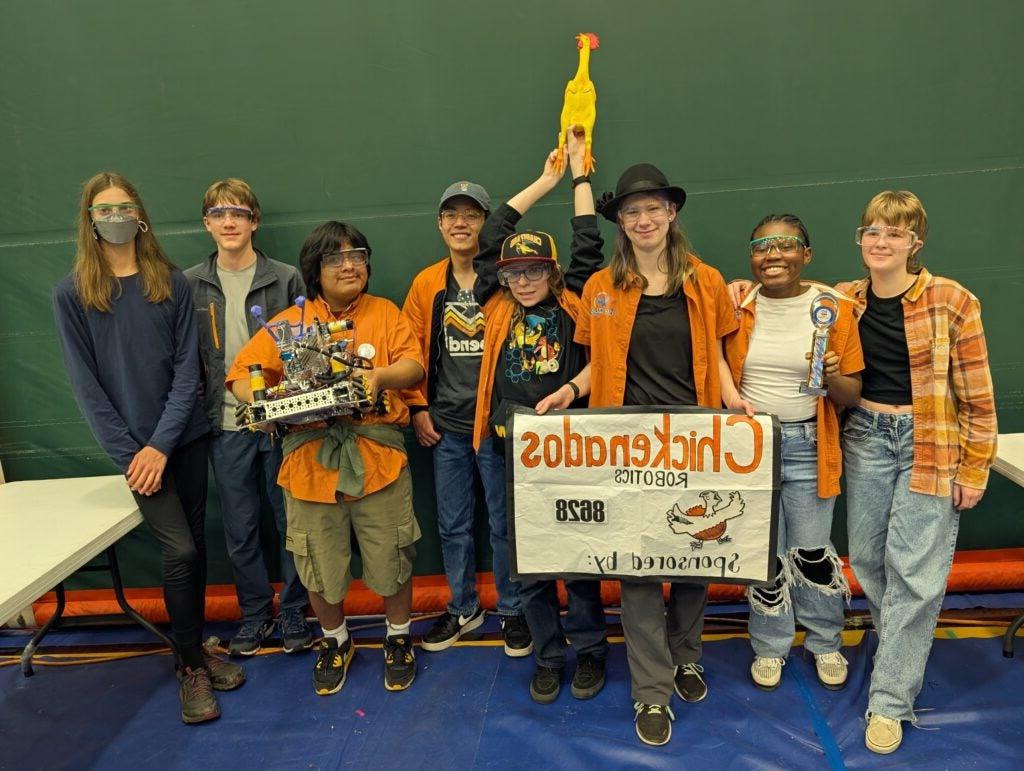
399	662
332	661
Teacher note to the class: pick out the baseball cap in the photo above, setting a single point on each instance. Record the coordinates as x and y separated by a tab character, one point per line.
468	190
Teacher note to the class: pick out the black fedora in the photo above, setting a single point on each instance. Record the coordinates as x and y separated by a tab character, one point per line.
641	178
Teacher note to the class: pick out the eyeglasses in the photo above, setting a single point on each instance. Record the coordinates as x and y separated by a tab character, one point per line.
872	234
471	217
787	245
220	213
112	209
532	273
355	258
654	211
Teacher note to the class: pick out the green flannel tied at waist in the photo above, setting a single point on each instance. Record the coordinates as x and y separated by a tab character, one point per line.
339	450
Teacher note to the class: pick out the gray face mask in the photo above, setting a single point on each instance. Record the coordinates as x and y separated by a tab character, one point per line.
117	229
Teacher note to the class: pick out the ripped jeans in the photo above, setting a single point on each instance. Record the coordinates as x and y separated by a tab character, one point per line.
810	586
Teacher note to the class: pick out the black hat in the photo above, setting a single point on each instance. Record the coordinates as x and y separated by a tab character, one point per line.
528	246
642	178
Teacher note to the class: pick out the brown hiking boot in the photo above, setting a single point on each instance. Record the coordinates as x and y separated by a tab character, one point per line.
224	675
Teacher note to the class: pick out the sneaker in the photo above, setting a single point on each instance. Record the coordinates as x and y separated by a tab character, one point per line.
832	669
399	662
545	684
518	641
653	723
198	704
250	636
331	666
588	679
449	628
767	672
295	632
224	675
689	683
883	734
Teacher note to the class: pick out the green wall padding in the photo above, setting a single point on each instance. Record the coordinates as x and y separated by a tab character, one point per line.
366	112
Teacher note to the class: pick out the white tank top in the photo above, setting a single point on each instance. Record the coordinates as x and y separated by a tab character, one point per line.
775	365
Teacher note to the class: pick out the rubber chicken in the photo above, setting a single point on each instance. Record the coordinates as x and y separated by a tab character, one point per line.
579	111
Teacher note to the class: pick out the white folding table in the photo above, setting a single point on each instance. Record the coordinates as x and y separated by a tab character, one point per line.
1010	463
49	529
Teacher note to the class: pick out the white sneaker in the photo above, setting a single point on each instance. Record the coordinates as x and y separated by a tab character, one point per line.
832	669
767	672
883	734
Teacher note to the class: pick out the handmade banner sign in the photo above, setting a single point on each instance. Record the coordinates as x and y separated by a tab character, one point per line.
680	494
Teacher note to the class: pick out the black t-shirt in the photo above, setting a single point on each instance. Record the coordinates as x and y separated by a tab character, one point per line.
458	370
537	358
886	375
659	367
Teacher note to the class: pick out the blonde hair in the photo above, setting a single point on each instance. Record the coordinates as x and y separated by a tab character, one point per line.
678	264
899	208
231	190
94	281
556	283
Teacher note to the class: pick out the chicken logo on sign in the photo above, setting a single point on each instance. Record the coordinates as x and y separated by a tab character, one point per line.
706	521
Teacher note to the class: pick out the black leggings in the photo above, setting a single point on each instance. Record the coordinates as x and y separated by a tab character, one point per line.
176	515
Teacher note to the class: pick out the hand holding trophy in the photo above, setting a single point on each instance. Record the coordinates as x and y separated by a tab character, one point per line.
824	312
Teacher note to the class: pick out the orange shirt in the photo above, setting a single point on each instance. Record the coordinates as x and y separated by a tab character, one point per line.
845	341
955	430
377	321
606	323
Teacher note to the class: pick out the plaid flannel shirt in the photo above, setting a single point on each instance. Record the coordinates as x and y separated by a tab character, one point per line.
954	404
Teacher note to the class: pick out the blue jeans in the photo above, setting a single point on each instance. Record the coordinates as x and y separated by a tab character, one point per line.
454	460
243	462
901	549
584	623
809	585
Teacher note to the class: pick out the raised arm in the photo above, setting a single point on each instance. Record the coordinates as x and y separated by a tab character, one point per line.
502	223
587	244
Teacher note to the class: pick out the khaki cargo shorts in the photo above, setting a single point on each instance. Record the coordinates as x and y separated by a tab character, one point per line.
320	538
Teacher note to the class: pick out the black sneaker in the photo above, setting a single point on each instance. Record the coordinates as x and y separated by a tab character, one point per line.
331	665
690	683
653	723
295	632
399	662
250	636
588	680
518	641
224	675
545	684
198	704
449	628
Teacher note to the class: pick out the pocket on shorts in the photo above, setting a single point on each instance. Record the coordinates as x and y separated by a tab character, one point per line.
297	542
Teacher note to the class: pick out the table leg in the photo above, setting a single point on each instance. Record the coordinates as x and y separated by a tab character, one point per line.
1008	637
115	576
54	620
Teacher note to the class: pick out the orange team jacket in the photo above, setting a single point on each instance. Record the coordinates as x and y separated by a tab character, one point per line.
377	321
606	322
424	305
845	341
496	330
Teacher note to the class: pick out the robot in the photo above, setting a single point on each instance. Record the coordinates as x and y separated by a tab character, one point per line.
319	381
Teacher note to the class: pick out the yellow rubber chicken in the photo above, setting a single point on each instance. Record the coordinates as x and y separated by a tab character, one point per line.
579	111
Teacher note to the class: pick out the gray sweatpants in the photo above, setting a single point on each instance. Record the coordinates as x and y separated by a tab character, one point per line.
658	637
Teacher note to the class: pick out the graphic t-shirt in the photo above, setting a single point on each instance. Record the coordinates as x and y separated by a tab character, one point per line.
462	347
537	358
